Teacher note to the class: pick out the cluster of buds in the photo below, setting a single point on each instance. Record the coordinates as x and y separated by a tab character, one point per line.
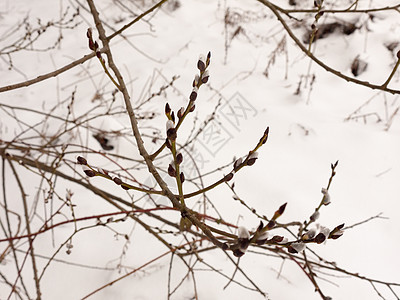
318	235
93	45
243	241
260	236
250	159
92	172
315	235
202	78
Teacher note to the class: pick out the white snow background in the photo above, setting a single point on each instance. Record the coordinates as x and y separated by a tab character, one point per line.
308	132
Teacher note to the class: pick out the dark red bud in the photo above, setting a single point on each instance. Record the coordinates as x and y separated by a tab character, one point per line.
179	158
292	250
193	96
182	176
171	171
228	177
171	134
238	253
261	226
81	160
90	173
276	239
205	79
320	238
192	108
201	65
117	180
168	143
125	187
251	161
282	209
167	109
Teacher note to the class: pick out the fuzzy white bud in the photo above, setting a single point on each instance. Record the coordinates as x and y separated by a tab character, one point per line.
327	198
299	247
170	125
263	236
314	216
253	155
243	233
310	234
196	79
324	230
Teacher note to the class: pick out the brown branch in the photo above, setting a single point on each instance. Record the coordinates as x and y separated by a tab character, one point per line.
28	229
143	152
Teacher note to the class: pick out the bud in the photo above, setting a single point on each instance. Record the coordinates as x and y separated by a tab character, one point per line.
320	238
89	33
81	160
196	80
298	246
398	54
280	211
117	180
327	198
208	58
181	112
262	238
125	187
337	232
171	170
169	125
171	131
237	163
205	77
243	233
265	136
324	230
243	238
314	216
192	107
179	158
182	177
277	239
201	63
238	253
310	234
228	177
168	143
193	95
167	109
89	172
171	134
252	158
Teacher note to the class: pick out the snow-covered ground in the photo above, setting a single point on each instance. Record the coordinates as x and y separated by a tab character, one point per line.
315	119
